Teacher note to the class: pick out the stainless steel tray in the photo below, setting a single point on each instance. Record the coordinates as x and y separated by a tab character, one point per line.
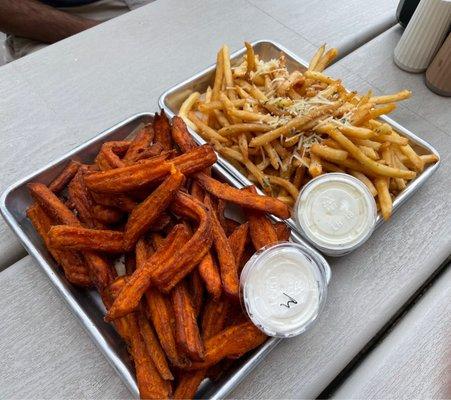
87	305
172	99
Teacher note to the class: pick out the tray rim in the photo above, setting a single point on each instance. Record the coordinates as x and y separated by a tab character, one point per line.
397	202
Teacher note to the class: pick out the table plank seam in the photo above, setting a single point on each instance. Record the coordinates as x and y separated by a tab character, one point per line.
379	336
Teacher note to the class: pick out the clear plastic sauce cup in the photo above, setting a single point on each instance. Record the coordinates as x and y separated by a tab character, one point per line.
283	288
336	213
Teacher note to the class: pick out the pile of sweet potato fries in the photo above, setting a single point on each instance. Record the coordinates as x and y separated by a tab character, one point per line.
152	202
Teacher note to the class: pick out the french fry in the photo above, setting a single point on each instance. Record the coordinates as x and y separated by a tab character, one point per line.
250	58
372	165
162	130
429	158
187	332
295	123
227	263
238	241
142	216
204	130
413	157
316	57
231	342
154	348
285	184
364	179
326	59
383	195
391	98
315	168
328	153
121	180
237	129
78	238
249	200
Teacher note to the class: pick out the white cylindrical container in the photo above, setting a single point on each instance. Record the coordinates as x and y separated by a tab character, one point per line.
284	288
424	35
336	213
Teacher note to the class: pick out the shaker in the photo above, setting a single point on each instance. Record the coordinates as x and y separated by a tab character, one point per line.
424	35
438	75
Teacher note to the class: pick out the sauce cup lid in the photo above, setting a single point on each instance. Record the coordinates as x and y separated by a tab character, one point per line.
336	213
283	288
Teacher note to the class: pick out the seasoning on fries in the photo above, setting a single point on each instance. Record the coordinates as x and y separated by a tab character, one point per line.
281	128
152	199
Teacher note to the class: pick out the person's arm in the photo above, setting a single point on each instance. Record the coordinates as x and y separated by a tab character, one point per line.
34	20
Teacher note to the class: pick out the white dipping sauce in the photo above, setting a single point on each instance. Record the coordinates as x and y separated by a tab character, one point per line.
336	212
282	290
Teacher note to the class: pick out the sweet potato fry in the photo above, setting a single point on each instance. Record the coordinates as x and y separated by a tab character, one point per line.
181	136
139	143
231	342
151	385
142	216
214	317
209	273
108	157
245	199
167	274
72	263
79	238
162	130
196	290
260	227
227	263
106	215
213	321
137	176
100	271
121	201
186	330
130	263
283	231
238	241
154	348
128	299
52	204
161	314
82	200
149	152
66	175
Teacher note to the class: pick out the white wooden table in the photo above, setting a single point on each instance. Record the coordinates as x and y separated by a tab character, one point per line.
61	96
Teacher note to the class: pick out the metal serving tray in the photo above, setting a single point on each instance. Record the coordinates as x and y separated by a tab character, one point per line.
172	99
86	304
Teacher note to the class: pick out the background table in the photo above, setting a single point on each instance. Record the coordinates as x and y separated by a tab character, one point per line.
61	96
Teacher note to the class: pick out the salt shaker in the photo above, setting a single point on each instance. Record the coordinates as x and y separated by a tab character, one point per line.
424	35
438	75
